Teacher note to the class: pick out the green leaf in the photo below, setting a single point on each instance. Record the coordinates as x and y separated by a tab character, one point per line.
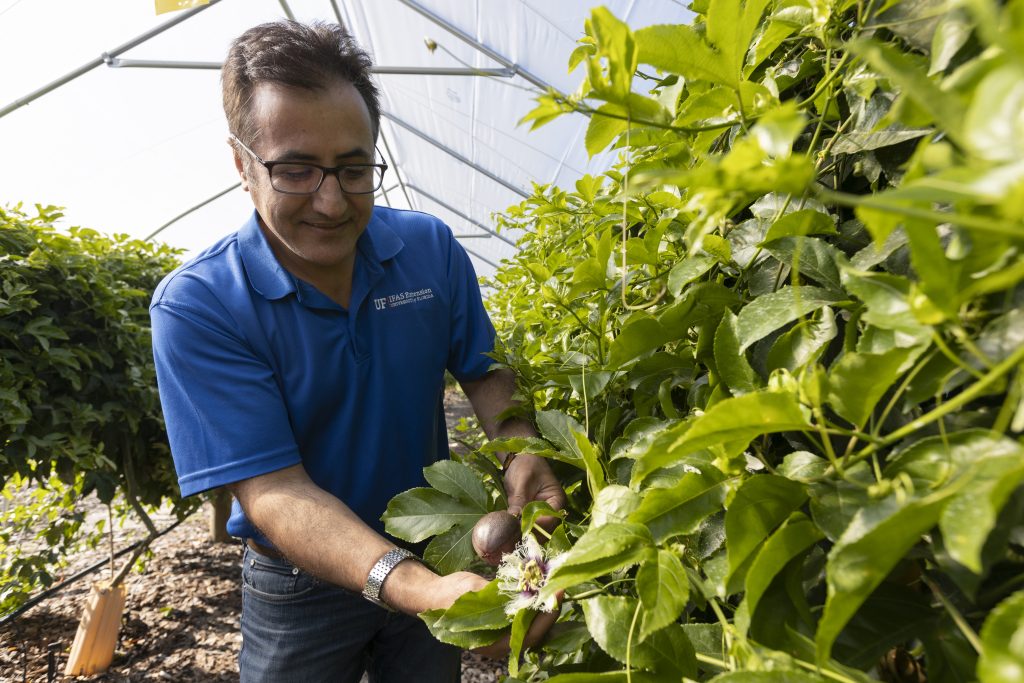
811	258
420	513
613	504
561	430
861	559
482	610
858	380
688	270
761	504
972	513
804	343
459	482
935	461
767	313
610	620
801	223
679	510
834	503
909	79
664	590
1002	639
747	676
729	359
795	536
452	551
520	625
994	126
887	300
603	129
606	677
863	141
635	339
599	551
595	472
803	466
891	615
461	639
742	418
680	50
730	28
614	42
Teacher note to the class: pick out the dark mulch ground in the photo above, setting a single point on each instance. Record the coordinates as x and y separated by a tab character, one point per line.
181	614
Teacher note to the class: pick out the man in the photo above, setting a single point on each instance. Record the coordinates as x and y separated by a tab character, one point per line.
300	363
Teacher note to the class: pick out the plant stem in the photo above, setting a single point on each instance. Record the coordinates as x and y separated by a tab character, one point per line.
629	644
955	359
882	203
957	402
954	613
826	442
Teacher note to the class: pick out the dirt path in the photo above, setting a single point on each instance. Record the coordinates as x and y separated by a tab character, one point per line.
181	614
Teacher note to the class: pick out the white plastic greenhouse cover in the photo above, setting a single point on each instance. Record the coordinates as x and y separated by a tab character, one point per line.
126	150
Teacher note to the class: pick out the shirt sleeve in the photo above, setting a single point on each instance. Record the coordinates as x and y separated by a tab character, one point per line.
226	420
472	335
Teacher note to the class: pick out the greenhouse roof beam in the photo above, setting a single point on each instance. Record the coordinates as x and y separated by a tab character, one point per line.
481	257
188	211
462	215
455	155
470	40
380	70
103	59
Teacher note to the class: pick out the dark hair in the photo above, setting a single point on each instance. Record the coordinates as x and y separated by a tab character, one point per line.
307	56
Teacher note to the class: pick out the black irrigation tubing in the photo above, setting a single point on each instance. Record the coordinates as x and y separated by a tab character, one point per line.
50	592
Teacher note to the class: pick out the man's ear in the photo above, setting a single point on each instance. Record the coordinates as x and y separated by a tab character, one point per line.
240	167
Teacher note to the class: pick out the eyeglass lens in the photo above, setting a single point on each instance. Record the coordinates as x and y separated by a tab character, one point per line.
304	179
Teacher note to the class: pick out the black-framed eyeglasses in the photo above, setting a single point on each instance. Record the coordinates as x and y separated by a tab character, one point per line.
295	177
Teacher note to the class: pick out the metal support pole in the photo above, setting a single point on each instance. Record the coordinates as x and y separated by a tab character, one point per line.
380	70
104	58
466	38
187	212
455	155
287	10
462	215
481	257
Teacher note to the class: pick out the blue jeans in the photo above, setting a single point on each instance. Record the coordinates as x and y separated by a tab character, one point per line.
298	628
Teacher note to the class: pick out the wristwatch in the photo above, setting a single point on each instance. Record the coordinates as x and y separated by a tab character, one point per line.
380	571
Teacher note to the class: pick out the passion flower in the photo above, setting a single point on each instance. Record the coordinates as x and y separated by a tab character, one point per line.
523	572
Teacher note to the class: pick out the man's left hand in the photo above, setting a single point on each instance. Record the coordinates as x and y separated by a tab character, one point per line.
529	478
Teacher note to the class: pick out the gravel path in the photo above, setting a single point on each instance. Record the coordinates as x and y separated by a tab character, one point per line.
181	615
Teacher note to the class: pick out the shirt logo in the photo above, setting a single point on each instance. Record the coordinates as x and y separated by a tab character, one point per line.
403	298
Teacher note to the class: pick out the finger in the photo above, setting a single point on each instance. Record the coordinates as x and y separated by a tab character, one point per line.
516	502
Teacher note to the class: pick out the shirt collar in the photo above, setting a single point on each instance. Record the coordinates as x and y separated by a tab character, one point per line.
377	244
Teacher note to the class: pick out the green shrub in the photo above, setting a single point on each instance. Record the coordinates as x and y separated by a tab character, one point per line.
79	410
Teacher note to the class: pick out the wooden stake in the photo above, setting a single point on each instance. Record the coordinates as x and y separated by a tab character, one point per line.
220	511
93	649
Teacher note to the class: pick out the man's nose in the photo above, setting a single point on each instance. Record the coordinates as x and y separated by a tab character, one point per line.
330	198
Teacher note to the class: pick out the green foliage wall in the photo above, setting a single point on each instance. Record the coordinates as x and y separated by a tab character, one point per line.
79	410
775	353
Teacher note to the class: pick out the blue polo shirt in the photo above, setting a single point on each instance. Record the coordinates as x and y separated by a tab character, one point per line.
259	370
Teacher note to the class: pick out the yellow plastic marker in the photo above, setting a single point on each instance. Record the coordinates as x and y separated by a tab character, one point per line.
163	6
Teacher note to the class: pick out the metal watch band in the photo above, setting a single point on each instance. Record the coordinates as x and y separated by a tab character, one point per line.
380	571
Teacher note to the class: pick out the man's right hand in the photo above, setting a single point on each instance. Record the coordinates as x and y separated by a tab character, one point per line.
459	583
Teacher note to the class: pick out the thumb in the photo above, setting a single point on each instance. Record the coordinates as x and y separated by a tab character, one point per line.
516	501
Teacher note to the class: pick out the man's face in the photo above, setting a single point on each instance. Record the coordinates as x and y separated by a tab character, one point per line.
313	236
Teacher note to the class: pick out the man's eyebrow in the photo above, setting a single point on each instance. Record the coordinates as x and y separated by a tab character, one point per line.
296	155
